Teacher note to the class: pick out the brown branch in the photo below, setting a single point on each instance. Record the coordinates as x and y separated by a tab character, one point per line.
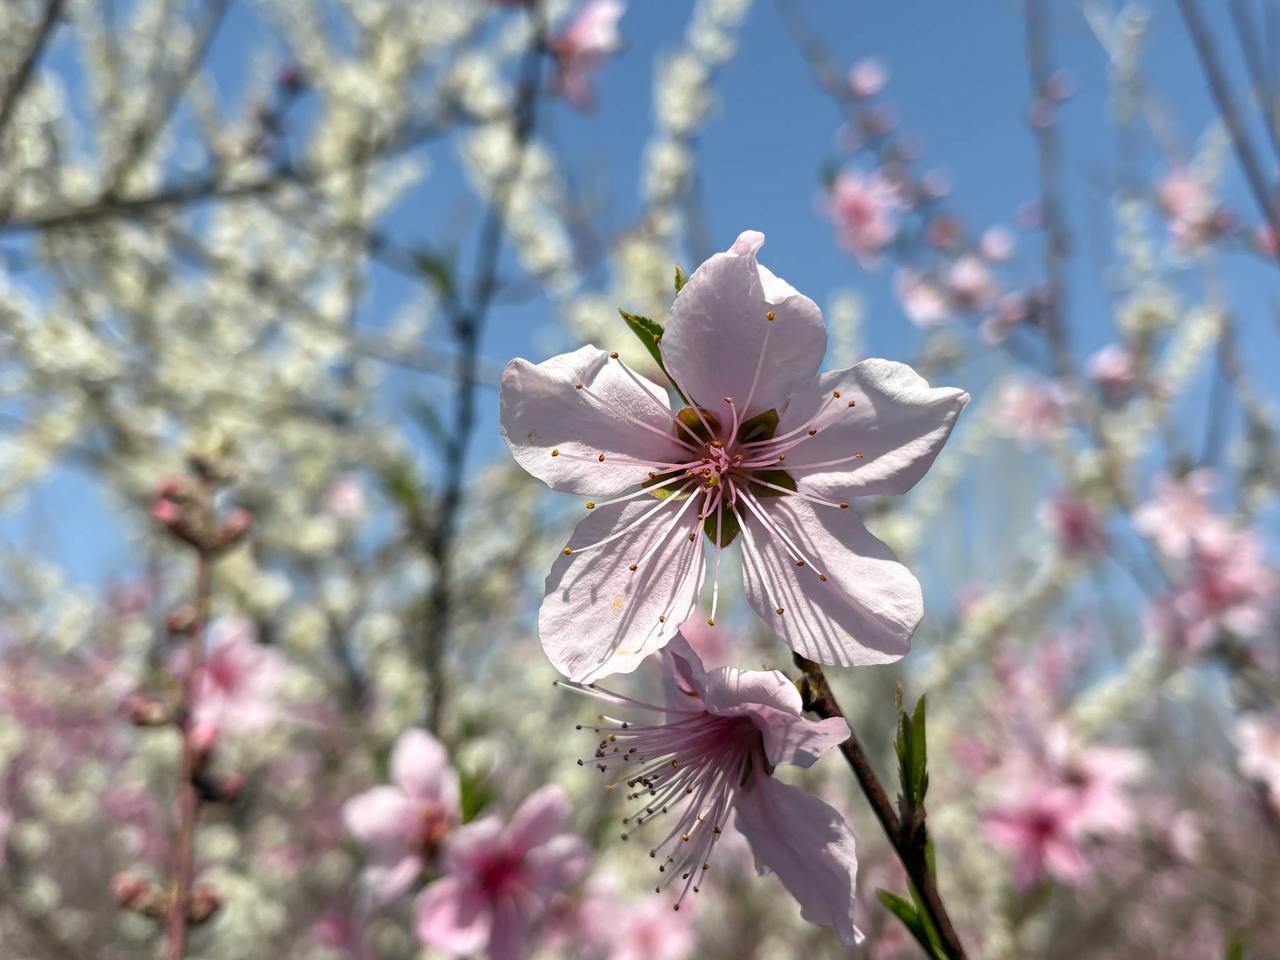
183	867
1221	91
468	323
908	845
22	76
1056	240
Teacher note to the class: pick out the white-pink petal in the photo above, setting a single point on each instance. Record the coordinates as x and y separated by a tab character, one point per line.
626	420
600	617
867	609
897	422
808	845
383	820
454	916
720	341
420	767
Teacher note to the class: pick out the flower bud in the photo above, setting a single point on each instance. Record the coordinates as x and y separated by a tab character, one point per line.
204	903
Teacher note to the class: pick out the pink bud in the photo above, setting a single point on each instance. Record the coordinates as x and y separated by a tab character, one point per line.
166	512
867	77
203	905
235	526
131	891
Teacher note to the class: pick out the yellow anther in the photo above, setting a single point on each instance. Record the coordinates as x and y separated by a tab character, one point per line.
771	316
555	453
568	551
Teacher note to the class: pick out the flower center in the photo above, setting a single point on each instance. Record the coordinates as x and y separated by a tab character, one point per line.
691	764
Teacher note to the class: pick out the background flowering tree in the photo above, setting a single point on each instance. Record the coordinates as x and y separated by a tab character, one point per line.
270	680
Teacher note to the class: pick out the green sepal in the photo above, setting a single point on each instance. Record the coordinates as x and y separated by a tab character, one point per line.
665	493
913	755
681	278
729	526
760	427
699	423
475	794
649	332
1235	948
779	478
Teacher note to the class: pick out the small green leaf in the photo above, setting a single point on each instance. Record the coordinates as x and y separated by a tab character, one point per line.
903	909
681	278
1235	948
437	270
760	427
401	484
649	332
476	794
920	764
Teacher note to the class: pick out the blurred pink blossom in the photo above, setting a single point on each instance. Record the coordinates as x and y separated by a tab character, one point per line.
997	244
1188	203
971	283
581	50
1032	411
238	687
1112	369
1038	826
401	825
1258	736
6	821
864	209
1228	588
1010	311
710	754
1075	525
499	878
1179	512
345	500
923	300
867	77
649	930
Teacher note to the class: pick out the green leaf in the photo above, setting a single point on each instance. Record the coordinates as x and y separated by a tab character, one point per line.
760	427
649	332
681	278
401	485
920	765
475	794
436	270
903	909
1235	948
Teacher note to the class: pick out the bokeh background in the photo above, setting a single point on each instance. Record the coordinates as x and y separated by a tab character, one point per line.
283	250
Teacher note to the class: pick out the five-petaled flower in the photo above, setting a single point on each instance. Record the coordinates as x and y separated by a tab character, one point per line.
401	825
765	450
707	757
499	878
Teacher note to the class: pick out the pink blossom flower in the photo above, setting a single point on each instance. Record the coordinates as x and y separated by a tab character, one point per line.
6	821
1259	738
1180	512
1032	412
864	209
1038	826
971	284
1075	526
767	450
581	50
1010	311
997	244
499	878
710	753
649	931
1187	202
1112	369
868	77
1098	778
238	687
1229	588
345	500
401	825
923	300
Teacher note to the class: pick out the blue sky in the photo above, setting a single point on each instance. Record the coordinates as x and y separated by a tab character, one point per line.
958	83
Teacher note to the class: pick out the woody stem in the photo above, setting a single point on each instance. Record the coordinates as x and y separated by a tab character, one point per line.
908	845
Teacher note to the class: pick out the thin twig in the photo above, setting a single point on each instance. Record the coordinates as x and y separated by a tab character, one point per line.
468	323
910	850
1056	240
183	867
22	76
1221	91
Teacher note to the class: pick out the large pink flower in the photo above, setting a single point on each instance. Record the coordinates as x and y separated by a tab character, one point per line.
498	879
766	451
583	47
401	825
1038	826
708	755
